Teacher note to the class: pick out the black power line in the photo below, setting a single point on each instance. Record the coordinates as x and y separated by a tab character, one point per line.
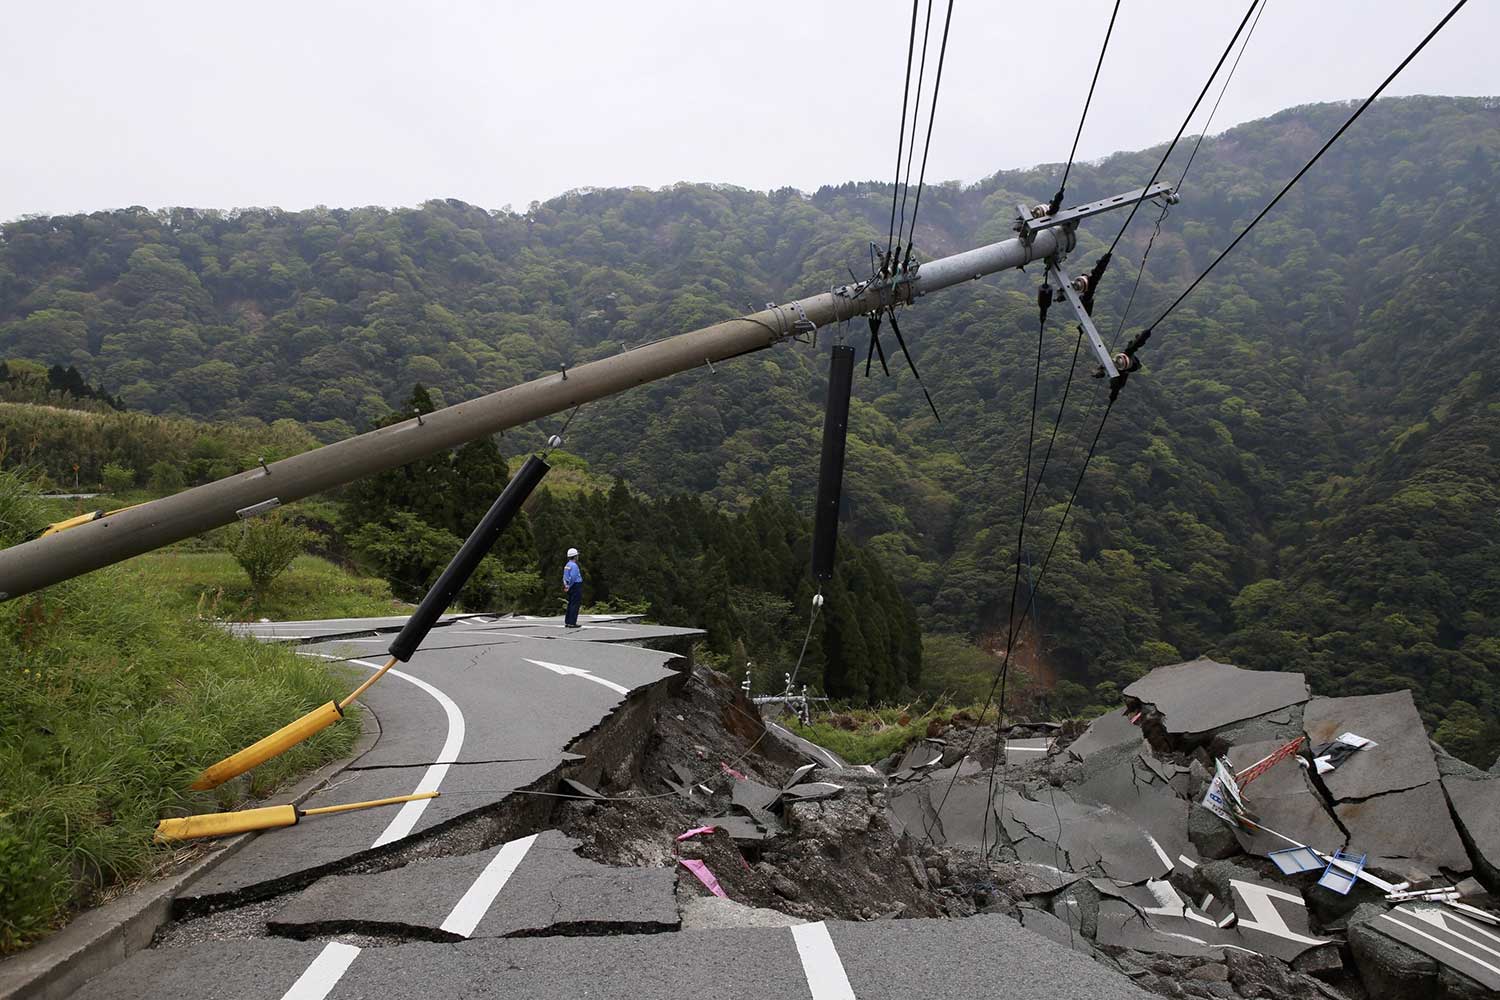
911	42
1061	188
1308	165
916	113
927	143
1192	111
1162	217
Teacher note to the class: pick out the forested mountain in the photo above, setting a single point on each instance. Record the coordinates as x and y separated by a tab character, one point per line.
1303	478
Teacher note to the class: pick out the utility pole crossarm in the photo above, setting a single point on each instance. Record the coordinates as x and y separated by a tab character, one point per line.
1062	281
1029	226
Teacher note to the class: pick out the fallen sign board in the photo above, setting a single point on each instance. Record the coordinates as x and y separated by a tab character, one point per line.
1269	761
1341	872
1223	796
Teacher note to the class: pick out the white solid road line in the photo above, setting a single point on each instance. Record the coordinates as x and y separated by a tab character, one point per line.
324	972
477	900
567	671
821	964
433	777
333	961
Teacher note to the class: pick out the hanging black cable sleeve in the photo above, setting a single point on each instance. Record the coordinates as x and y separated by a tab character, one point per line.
875	347
896	329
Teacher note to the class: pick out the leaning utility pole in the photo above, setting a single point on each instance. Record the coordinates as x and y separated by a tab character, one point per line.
119	535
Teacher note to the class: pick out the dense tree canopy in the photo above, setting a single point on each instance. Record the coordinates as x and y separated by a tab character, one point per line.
1302	478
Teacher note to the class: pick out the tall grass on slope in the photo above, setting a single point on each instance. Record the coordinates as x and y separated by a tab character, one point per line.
111	701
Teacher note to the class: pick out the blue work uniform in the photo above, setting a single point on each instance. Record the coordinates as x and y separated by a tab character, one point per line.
573	581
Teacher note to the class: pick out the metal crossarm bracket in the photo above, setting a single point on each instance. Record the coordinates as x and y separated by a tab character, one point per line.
1060	280
1028	226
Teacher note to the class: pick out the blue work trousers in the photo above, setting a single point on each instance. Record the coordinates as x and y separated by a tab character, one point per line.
575	599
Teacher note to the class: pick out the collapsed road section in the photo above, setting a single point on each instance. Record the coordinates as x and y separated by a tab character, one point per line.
1227	833
1224	835
590	787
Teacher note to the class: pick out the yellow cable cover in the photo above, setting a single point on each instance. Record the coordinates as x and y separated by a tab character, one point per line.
278	742
224	824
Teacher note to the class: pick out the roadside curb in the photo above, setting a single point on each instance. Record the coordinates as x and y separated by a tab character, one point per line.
98	939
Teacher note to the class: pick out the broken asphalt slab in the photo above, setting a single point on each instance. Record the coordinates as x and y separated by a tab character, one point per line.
1401	757
475	724
1387	796
532	885
1409	832
1477	806
1109	731
987	955
1202	695
1440	953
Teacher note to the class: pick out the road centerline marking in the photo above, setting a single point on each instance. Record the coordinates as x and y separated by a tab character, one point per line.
480	896
826	979
319	978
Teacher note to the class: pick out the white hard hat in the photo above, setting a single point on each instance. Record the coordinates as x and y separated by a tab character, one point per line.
572	553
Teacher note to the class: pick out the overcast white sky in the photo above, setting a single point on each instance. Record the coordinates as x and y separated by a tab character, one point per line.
343	103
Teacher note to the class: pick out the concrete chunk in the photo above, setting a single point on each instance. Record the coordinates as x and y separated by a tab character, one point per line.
1477	804
1402	757
1203	695
1410	832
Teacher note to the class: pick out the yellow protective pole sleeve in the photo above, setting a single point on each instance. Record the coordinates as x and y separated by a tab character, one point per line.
224	824
367	684
351	806
54	528
278	742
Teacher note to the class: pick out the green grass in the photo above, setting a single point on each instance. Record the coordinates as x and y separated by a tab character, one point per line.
112	699
864	736
213	582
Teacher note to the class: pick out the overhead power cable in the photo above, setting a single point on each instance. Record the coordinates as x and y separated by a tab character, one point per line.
911	147
1308	165
1002	675
1191	111
1057	198
927	143
911	42
1162	216
1220	99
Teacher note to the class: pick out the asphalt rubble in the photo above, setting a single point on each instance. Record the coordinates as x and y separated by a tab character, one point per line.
1103	842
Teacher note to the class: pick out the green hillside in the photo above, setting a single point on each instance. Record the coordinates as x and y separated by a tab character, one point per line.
1301	480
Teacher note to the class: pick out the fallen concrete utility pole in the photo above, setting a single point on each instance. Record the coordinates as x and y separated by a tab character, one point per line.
119	535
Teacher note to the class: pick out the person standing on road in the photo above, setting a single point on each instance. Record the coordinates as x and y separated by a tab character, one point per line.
573	586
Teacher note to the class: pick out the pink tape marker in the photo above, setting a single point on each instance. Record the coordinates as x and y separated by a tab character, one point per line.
705	876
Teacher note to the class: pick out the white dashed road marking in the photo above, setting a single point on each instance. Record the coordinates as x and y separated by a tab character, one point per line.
477	900
821	964
324	972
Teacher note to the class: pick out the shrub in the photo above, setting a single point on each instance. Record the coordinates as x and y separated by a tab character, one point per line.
166	477
118	478
264	547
